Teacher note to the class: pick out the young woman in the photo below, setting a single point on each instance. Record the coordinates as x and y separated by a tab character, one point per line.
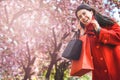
104	36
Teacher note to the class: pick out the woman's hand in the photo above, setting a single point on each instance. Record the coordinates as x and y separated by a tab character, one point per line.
96	25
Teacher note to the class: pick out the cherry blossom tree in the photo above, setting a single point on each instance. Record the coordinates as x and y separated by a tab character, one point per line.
34	33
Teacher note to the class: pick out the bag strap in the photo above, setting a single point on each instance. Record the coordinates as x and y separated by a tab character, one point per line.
76	34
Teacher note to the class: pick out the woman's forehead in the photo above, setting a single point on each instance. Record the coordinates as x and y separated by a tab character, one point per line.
82	10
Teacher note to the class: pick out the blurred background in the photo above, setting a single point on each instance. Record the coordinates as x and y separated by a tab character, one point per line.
34	33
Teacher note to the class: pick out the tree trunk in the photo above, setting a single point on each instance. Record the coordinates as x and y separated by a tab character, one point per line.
60	69
49	71
25	77
59	75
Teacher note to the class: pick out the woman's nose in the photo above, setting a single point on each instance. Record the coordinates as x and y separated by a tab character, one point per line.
83	17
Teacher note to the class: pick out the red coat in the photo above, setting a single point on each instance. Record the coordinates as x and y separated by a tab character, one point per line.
105	48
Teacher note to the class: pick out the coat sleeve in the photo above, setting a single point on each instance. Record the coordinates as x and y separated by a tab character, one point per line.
111	36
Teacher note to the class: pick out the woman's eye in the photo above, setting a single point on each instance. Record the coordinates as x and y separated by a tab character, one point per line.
80	17
84	13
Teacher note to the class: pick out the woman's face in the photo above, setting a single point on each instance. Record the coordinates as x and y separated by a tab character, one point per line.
85	16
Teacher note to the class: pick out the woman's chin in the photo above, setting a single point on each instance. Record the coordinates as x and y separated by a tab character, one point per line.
86	24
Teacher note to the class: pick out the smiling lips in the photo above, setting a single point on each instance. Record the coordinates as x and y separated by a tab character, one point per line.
86	21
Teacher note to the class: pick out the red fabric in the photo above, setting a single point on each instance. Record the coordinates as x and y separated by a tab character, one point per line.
105	49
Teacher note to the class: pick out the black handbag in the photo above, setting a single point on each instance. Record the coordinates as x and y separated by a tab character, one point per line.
73	48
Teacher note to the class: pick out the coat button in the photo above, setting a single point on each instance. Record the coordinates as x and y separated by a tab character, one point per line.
91	57
94	37
101	58
105	41
105	70
97	46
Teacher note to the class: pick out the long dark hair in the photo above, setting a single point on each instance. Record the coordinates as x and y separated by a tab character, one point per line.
103	21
